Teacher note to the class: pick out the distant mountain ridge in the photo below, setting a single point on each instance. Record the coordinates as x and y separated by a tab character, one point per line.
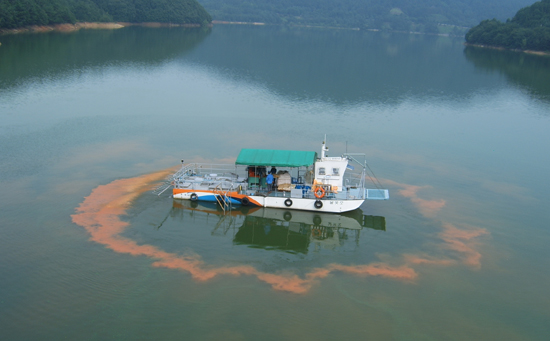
20	13
405	15
529	29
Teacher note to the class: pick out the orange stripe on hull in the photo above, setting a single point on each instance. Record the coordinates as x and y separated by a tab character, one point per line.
234	195
238	196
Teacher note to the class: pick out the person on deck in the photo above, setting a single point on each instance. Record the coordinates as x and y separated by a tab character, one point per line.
269	181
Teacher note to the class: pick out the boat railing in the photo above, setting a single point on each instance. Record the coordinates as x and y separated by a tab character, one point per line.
173	179
206	169
191	174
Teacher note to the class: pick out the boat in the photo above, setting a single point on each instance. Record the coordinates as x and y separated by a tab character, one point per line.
285	179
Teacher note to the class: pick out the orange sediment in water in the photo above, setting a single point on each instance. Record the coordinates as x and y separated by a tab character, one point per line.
100	214
462	242
427	208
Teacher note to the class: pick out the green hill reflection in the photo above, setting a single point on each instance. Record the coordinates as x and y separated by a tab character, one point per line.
341	66
530	72
53	55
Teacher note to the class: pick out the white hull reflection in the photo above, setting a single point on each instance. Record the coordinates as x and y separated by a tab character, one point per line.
288	230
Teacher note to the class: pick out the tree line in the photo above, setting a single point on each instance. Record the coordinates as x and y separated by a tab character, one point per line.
400	15
21	13
529	29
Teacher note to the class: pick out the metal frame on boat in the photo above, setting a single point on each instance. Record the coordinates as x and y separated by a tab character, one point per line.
297	180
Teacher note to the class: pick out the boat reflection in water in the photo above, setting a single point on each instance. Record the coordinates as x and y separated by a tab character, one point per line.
276	229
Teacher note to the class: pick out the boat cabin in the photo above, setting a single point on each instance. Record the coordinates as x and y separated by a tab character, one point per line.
288	168
297	172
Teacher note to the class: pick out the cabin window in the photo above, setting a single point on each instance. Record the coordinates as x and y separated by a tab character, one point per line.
321	170
336	171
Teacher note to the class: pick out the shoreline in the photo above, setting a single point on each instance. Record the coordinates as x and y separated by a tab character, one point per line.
537	53
117	25
87	25
222	22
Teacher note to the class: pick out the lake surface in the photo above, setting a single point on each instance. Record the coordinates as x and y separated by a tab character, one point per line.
89	120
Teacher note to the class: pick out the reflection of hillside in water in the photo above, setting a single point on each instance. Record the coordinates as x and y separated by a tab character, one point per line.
53	55
276	229
339	66
530	72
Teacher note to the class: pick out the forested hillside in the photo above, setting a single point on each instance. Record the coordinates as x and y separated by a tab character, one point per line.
529	29
421	15
19	13
430	16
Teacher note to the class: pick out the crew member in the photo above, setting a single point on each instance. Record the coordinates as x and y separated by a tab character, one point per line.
269	181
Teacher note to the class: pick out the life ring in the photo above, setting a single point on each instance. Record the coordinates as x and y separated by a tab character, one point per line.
319	192
245	201
316	232
194	197
288	202
318	204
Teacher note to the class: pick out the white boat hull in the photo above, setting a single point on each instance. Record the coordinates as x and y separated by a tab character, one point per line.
306	204
328	205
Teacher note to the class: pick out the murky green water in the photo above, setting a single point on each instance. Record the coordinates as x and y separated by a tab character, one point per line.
459	136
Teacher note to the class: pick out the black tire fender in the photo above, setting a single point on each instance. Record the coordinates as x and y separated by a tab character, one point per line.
318	204
194	197
288	202
245	201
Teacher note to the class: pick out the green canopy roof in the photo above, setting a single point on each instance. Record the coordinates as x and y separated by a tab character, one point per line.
277	158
